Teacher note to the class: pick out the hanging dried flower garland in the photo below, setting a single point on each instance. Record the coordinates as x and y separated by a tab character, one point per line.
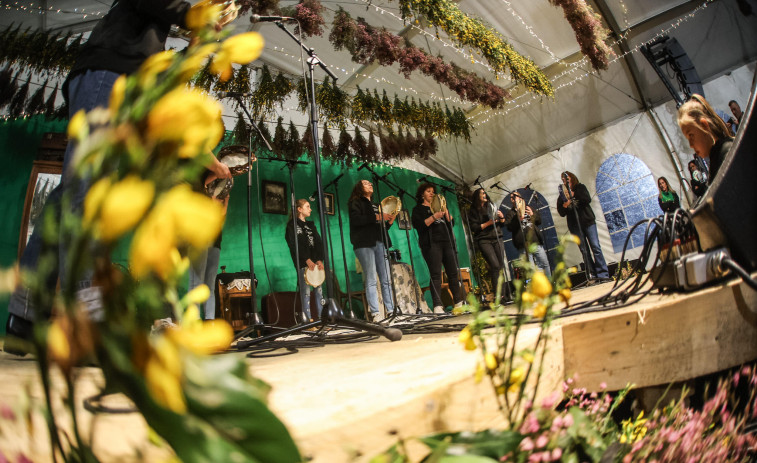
470	32
368	44
590	33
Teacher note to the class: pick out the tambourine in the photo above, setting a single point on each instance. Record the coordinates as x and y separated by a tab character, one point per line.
235	158
391	205
219	188
438	204
315	277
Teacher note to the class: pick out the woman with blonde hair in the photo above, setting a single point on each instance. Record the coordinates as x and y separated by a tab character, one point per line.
309	250
706	132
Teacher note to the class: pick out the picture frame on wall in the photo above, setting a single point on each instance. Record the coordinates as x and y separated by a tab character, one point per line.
274	197
328	202
45	176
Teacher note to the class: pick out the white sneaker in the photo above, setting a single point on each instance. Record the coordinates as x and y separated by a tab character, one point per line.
439	309
460	304
376	316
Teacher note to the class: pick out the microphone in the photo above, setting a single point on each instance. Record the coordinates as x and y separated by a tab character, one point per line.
422	179
312	196
233	94
528	187
477	179
256	18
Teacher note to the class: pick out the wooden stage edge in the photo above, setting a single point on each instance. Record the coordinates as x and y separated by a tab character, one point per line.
348	402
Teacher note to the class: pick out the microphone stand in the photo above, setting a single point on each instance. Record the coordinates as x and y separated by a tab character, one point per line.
335	184
472	245
331	313
501	244
402	193
291	164
581	237
384	238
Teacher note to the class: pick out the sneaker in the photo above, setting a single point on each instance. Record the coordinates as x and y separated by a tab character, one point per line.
439	309
460	304
19	333
376	316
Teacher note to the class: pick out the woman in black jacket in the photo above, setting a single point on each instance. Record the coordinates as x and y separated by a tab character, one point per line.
435	241
366	233
668	199
573	200
310	253
487	236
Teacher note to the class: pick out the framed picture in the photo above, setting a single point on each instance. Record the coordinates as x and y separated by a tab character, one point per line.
328	201
274	197
45	176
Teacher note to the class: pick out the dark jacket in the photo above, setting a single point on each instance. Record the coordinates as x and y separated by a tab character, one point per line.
477	216
717	156
365	230
309	243
585	214
437	233
130	32
669	206
513	224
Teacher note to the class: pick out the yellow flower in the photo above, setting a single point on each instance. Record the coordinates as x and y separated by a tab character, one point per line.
154	65
565	295
574	239
540	310
528	357
517	375
189	118
527	298
466	338
202	14
540	285
117	94
163	375
192	64
240	49
94	198
78	127
205	338
197	218
197	295
491	361
153	246
124	206
479	375
57	343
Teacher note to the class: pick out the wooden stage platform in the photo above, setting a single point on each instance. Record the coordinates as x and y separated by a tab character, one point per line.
347	402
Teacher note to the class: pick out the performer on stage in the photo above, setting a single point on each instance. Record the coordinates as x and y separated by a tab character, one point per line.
523	223
698	177
310	250
487	238
668	199
435	241
121	41
586	225
366	239
706	132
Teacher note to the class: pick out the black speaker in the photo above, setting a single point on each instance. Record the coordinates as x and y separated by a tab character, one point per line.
727	214
666	51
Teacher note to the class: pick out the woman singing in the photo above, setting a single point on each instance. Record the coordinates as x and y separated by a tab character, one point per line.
487	237
435	241
365	235
573	202
310	250
523	223
668	199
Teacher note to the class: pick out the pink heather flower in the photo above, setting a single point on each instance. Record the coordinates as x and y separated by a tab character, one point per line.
7	413
534	458
567	421
557	423
528	404
527	444
550	401
542	441
556	454
602	386
530	424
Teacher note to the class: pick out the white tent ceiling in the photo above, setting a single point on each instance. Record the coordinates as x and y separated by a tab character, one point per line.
716	36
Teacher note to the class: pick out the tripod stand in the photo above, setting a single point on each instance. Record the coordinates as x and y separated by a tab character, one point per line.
331	313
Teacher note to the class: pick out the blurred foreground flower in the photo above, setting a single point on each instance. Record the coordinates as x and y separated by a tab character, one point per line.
239	49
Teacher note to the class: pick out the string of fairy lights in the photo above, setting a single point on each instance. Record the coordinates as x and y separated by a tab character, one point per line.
38	9
491	114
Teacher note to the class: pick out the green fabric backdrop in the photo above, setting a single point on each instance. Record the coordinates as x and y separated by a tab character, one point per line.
19	142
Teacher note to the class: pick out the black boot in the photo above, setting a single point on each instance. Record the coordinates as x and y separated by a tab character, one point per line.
18	332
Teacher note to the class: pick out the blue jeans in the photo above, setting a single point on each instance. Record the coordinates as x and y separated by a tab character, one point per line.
373	261
540	260
85	91
598	263
305	290
204	270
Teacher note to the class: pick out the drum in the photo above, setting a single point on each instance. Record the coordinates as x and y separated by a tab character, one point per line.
438	204
391	205
394	255
219	188
235	157
315	277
